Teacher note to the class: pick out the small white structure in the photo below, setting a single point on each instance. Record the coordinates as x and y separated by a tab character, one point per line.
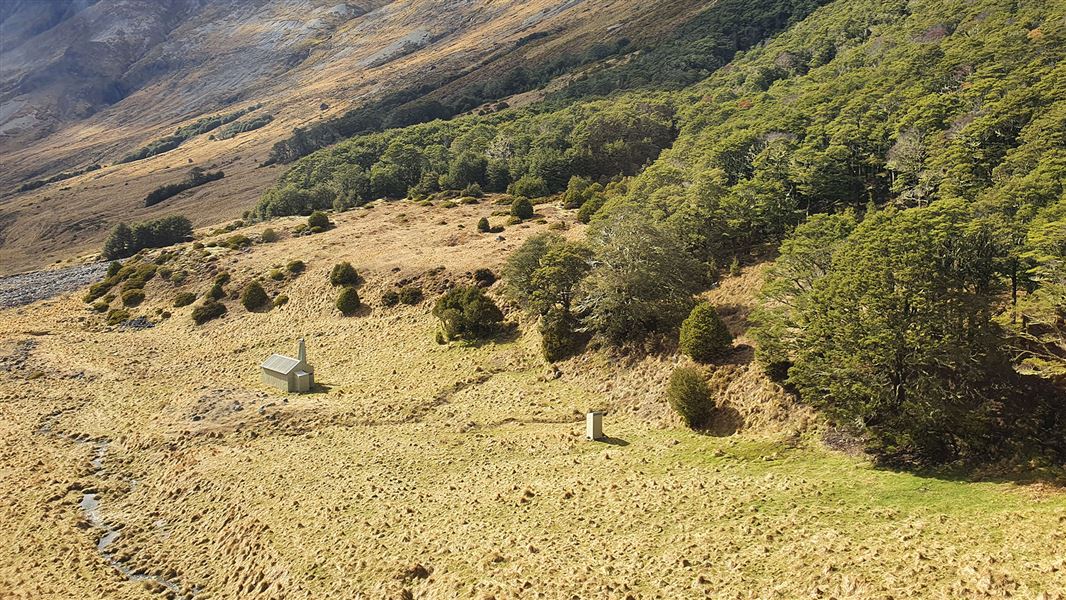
289	374
594	426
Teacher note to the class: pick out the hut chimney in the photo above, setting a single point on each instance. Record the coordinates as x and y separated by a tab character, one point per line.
301	353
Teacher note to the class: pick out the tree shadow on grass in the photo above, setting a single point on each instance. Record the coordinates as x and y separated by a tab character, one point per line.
723	422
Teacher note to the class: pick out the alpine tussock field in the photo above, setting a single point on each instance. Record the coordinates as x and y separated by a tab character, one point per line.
428	471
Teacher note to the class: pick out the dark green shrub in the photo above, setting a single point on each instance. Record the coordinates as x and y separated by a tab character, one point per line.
343	273
235	242
522	208
254	296
410	294
295	267
318	219
348	301
207	311
473	190
113	268
689	396
734	267
101	306
268	236
117	315
223	278
390	298
483	225
281	300
558	340
216	292
529	186
704	336
276	274
184	299
465	312
132	297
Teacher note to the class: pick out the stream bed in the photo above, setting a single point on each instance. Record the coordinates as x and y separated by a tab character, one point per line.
90	506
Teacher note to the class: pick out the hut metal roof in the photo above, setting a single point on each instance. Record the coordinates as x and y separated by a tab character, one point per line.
281	364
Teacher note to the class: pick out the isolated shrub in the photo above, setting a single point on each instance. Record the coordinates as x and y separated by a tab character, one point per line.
235	242
216	292
207	311
410	294
132	297
522	208
465	312
223	278
348	301
483	225
704	336
117	315
689	396
113	268
276	274
473	190
268	236
101	306
184	299
318	219
390	298
484	277
281	300
254	296
343	273
734	267
295	267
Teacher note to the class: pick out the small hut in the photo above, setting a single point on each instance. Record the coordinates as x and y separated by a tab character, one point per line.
289	374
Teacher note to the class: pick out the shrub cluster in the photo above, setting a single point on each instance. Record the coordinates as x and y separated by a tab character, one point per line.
196	178
466	313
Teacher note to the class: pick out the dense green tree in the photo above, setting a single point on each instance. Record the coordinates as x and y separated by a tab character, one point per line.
642	281
897	335
704	336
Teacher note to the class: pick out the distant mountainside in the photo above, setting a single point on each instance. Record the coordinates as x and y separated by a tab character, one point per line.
85	83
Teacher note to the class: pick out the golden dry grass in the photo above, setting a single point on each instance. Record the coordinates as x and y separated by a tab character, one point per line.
451	471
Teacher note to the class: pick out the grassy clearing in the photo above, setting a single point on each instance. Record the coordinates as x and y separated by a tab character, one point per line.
464	460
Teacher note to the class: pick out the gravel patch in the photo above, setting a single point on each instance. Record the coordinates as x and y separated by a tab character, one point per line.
26	288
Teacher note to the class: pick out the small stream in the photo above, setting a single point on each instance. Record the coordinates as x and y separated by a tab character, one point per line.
90	505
